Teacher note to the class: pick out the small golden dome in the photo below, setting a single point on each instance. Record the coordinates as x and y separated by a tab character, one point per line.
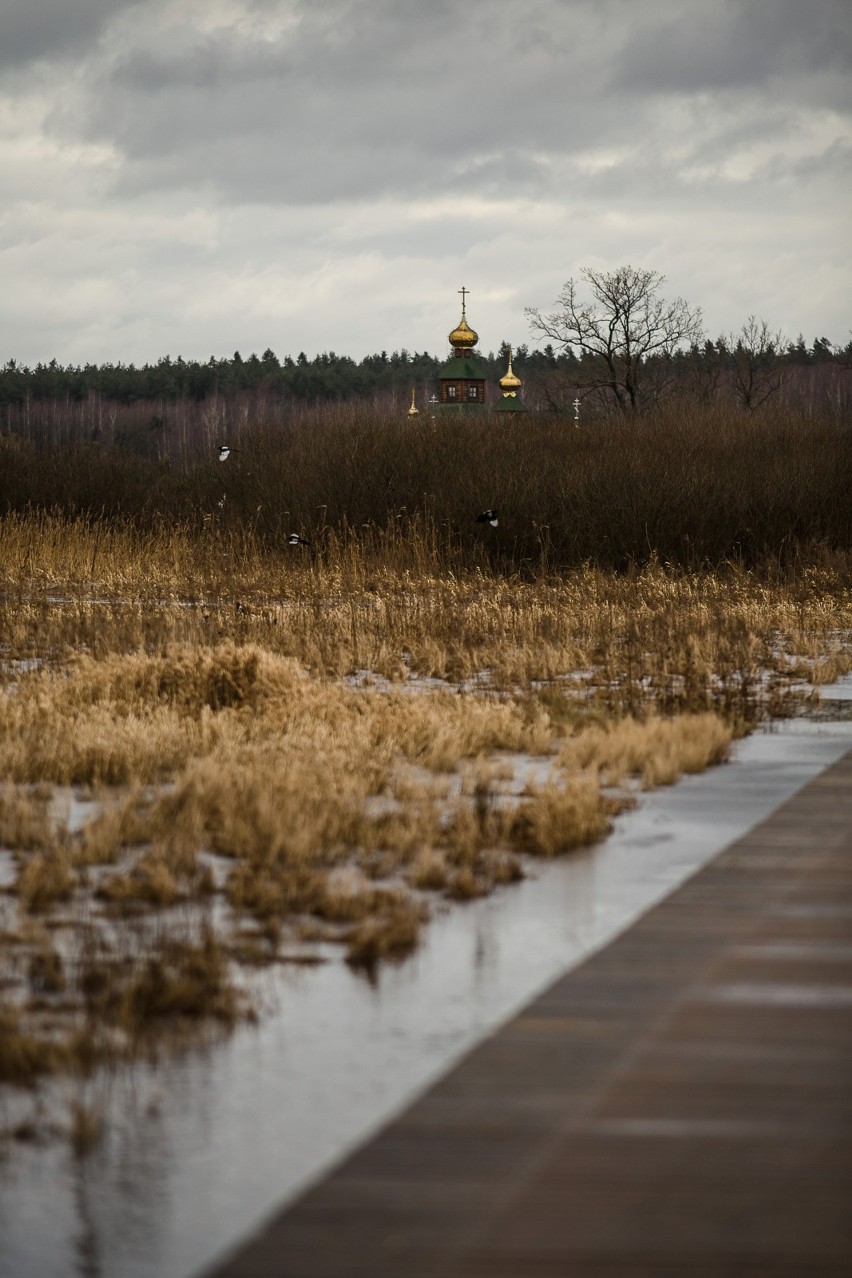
510	381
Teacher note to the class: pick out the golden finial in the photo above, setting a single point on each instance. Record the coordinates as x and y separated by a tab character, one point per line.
463	337
510	381
413	411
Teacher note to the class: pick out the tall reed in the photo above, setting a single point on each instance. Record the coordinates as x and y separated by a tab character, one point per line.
694	486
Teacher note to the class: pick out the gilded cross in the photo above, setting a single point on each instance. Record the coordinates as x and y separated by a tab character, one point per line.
463	291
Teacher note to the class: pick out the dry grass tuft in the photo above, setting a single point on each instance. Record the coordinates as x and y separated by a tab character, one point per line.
46	972
25	821
556	818
430	872
46	877
24	1057
182	981
151	879
463	884
115	826
656	750
393	935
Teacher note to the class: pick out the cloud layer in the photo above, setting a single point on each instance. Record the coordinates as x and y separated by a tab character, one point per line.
227	174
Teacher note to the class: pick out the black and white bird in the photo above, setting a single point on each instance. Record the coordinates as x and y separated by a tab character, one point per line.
295	540
488	517
225	452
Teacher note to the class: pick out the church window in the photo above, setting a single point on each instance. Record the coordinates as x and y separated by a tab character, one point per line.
471	392
451	392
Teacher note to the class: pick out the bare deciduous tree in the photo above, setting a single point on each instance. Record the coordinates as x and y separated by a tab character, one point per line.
626	324
758	370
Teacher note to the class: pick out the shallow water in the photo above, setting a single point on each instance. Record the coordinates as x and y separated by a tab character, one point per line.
241	1128
839	691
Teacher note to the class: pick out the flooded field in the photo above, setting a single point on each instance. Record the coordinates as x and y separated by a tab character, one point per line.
280	836
198	1150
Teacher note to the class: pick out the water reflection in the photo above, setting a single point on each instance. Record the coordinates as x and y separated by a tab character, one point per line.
86	1241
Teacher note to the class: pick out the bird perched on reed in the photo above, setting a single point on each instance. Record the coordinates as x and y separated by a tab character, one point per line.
225	452
295	540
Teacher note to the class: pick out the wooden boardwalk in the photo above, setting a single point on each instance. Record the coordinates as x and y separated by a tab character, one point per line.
680	1106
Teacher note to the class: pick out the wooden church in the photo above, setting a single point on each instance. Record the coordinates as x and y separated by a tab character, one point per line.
463	381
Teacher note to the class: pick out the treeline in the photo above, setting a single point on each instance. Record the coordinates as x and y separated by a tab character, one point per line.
695	485
327	378
551	379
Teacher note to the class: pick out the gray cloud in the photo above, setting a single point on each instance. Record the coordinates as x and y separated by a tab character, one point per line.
248	151
737	44
358	100
32	30
353	100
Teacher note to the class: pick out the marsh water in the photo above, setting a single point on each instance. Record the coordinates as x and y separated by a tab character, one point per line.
200	1151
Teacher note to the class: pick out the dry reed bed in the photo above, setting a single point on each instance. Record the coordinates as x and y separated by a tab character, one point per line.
355	602
328	811
247	796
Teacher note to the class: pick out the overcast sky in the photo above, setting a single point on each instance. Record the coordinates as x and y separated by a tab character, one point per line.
200	176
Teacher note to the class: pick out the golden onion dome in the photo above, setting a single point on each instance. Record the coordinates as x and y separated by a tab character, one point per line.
463	336
510	381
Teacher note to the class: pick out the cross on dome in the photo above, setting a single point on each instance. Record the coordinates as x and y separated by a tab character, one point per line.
463	337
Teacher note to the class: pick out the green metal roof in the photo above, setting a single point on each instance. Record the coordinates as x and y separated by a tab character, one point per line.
460	367
509	404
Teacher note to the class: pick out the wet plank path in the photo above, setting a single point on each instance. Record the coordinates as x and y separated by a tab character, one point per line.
681	1104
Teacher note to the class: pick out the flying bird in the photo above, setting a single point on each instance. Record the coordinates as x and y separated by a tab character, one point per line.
295	540
225	452
488	517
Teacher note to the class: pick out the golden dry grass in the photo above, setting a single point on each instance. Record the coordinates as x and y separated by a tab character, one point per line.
657	750
321	742
558	817
45	878
697	638
24	818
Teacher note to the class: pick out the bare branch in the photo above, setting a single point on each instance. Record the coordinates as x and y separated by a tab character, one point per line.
757	366
625	324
